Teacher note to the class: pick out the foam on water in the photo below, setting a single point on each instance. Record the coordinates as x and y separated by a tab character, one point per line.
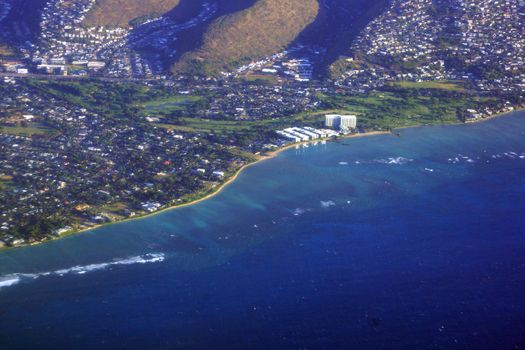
9	282
460	158
510	155
299	211
13	279
395	161
387	161
327	204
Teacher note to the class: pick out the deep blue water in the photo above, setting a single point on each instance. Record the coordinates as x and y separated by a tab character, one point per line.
411	242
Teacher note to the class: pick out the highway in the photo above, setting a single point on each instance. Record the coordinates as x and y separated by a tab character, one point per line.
72	77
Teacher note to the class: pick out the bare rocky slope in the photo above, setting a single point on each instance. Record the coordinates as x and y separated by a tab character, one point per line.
265	28
119	13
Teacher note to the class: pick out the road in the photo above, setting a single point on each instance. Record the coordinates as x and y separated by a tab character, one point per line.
72	77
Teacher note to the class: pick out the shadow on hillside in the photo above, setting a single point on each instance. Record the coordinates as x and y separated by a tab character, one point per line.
191	38
338	24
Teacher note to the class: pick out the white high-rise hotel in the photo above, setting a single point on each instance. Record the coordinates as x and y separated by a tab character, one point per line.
341	122
333	120
348	122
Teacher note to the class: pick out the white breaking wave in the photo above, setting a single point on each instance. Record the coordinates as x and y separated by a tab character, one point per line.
461	159
299	211
511	155
9	282
458	159
327	204
388	161
395	160
343	163
13	279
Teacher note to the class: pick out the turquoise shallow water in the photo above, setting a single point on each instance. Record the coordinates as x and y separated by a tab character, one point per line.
386	242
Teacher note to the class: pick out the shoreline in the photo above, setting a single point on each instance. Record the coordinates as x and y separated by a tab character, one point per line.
216	191
268	155
494	116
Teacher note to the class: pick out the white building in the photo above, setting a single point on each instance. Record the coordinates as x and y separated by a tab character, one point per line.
332	120
301	136
289	136
96	64
341	122
348	122
321	133
306	132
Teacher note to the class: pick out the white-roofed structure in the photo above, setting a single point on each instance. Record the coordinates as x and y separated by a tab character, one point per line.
348	122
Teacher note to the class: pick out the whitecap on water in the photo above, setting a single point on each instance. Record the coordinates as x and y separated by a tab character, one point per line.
395	161
13	279
508	155
9	281
327	204
300	211
460	158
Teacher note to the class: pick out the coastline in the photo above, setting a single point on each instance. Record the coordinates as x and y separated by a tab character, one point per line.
232	178
215	191
494	116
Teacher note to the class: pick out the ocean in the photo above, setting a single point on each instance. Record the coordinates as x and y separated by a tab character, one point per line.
382	242
5	8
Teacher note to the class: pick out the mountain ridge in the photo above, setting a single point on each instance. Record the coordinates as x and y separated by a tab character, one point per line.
120	12
262	29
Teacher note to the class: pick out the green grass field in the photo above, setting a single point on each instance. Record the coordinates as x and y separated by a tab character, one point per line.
439	85
168	105
28	131
381	110
265	79
5	185
114	207
6	182
201	125
388	110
